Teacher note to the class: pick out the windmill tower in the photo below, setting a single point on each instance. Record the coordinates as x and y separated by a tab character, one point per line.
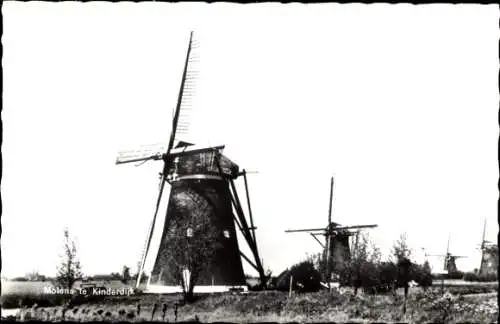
489	255
449	260
196	210
336	250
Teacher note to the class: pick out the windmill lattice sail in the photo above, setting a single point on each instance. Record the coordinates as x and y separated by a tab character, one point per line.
182	115
189	98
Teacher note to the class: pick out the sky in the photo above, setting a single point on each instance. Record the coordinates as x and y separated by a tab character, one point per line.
398	102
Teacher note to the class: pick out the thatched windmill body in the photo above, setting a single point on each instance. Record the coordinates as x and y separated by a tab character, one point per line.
198	207
336	250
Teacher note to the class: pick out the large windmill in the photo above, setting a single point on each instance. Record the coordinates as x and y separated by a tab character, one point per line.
449	264
336	250
197	192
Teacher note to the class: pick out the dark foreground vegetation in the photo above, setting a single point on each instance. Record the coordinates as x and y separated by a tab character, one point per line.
336	306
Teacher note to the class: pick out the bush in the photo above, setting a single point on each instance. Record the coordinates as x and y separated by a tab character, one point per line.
305	278
373	277
382	277
471	276
455	275
388	273
421	274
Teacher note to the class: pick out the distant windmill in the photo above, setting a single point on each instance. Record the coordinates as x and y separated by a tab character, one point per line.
196	187
336	251
489	254
449	264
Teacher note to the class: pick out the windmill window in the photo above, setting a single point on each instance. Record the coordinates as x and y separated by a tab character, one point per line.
211	159
226	234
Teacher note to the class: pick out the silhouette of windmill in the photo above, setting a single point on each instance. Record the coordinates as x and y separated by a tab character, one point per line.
197	192
489	254
336	251
449	263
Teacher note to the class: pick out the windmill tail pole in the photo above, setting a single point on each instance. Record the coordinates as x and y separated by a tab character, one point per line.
249	206
250	239
145	252
141	267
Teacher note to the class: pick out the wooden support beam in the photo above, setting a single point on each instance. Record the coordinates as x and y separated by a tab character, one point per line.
237	222
122	159
305	230
241	226
317	240
244	225
249	261
251	242
237	207
249	206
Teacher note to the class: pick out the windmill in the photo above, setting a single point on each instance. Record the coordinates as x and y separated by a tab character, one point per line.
449	264
196	188
489	254
336	250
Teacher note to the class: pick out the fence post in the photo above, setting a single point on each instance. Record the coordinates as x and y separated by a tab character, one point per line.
404	306
290	290
153	311
164	310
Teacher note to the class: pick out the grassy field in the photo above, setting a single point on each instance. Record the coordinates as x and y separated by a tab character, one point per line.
24	287
457	304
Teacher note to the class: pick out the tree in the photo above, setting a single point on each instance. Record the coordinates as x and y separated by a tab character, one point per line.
425	279
69	269
400	249
401	254
125	274
362	270
34	276
359	261
144	277
193	239
315	259
115	276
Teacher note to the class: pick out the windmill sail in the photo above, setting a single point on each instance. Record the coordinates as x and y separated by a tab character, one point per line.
163	197
157	224
187	100
182	114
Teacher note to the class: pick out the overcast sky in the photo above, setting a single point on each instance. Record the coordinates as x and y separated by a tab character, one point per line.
398	102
